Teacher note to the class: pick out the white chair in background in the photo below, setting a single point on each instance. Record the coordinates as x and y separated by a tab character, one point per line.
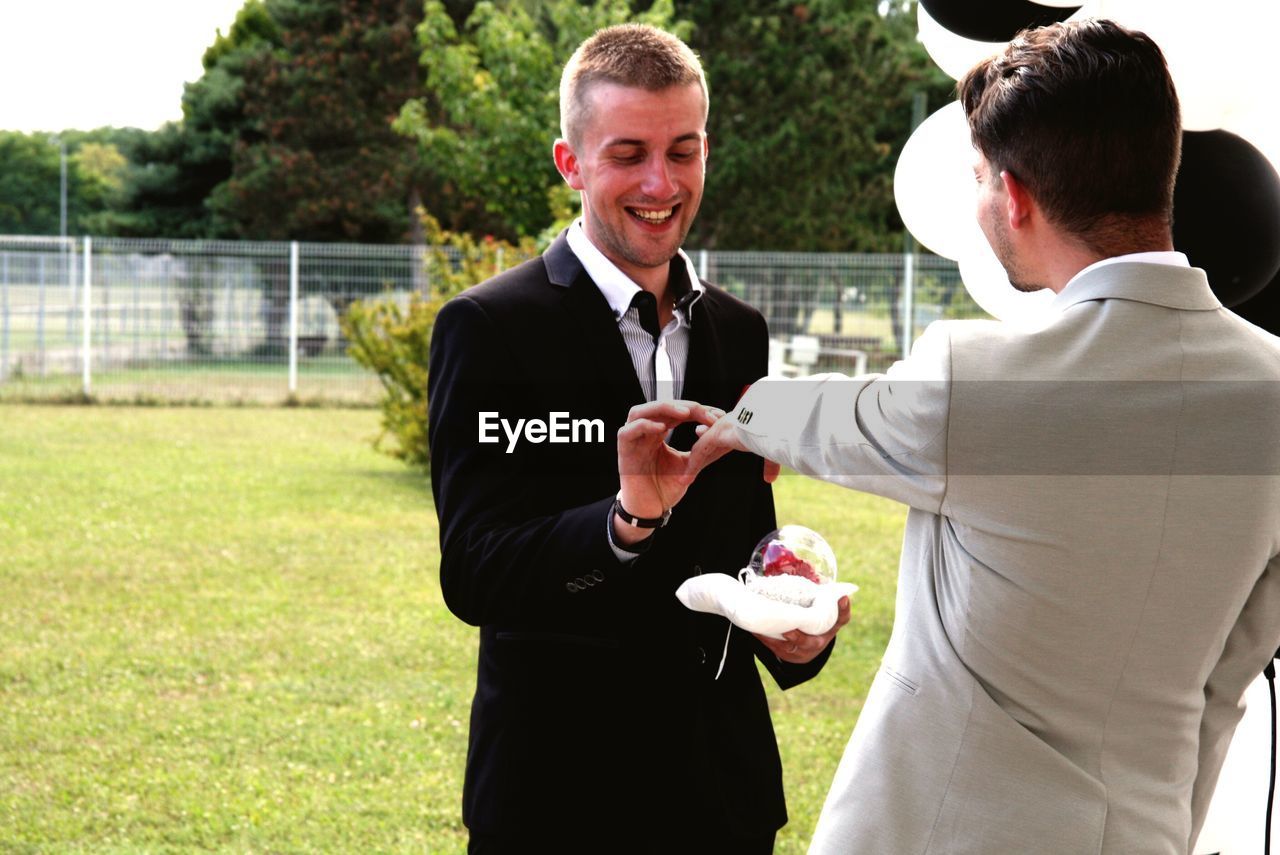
804	353
778	366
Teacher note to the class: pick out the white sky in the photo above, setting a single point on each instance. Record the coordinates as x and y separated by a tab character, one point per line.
86	64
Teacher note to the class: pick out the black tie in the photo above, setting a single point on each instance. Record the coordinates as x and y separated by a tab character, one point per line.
647	307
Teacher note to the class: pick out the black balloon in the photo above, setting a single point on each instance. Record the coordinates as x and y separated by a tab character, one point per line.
1226	213
993	20
1263	308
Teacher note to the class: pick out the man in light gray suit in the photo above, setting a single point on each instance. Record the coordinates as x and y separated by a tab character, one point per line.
1090	576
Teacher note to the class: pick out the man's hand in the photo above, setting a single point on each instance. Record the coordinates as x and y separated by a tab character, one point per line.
718	440
798	647
654	476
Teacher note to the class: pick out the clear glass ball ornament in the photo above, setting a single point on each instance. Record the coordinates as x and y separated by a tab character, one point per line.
788	562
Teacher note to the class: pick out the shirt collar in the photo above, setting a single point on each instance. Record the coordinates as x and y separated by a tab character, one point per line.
1169	257
618	288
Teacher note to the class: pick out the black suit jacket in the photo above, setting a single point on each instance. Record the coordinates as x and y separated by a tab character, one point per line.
595	704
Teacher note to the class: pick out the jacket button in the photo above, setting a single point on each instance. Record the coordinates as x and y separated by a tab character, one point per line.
589	581
697	569
572	587
702	656
597	575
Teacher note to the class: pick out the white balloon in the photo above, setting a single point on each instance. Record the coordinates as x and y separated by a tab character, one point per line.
954	54
933	183
988	284
1201	44
1251	94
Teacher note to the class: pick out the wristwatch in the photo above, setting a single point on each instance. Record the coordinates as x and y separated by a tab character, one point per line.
639	522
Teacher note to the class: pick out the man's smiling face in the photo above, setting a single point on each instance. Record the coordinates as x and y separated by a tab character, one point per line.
640	164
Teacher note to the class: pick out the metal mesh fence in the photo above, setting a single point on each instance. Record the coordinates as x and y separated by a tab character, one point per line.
841	311
229	322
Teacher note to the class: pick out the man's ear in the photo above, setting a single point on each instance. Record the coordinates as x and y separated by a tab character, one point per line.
1019	202
567	163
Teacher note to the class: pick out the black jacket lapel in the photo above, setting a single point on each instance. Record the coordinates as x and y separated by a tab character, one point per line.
604	354
704	373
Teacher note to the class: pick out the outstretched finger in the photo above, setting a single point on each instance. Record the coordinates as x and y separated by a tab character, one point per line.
670	413
771	471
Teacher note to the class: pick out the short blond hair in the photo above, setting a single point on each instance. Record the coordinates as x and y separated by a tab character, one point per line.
635	55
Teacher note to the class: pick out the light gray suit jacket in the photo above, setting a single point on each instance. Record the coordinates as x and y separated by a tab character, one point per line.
1090	576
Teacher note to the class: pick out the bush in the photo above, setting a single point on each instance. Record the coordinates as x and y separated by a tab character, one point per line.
393	343
393	340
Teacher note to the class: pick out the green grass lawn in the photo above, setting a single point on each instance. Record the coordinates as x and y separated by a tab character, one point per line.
221	630
328	379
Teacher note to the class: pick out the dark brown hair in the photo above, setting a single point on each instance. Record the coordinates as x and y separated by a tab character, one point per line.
1085	115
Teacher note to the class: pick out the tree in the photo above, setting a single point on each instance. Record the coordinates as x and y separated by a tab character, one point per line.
316	159
811	104
319	161
175	170
489	112
101	170
31	179
29	184
810	108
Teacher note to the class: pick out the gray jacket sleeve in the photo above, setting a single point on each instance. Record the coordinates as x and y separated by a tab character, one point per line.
880	433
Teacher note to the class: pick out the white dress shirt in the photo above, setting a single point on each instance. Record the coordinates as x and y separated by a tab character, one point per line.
659	364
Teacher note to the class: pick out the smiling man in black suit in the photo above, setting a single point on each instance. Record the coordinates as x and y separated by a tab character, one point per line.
599	723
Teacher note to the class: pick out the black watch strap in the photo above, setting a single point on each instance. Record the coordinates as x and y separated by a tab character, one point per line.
640	522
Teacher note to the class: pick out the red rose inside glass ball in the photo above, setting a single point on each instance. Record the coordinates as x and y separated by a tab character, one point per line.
781	561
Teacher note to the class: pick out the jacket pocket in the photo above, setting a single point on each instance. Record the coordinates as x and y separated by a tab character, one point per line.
901	680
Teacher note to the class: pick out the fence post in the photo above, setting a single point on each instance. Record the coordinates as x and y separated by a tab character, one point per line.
166	280
908	301
86	318
135	346
69	269
702	264
293	317
104	297
40	349
4	312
